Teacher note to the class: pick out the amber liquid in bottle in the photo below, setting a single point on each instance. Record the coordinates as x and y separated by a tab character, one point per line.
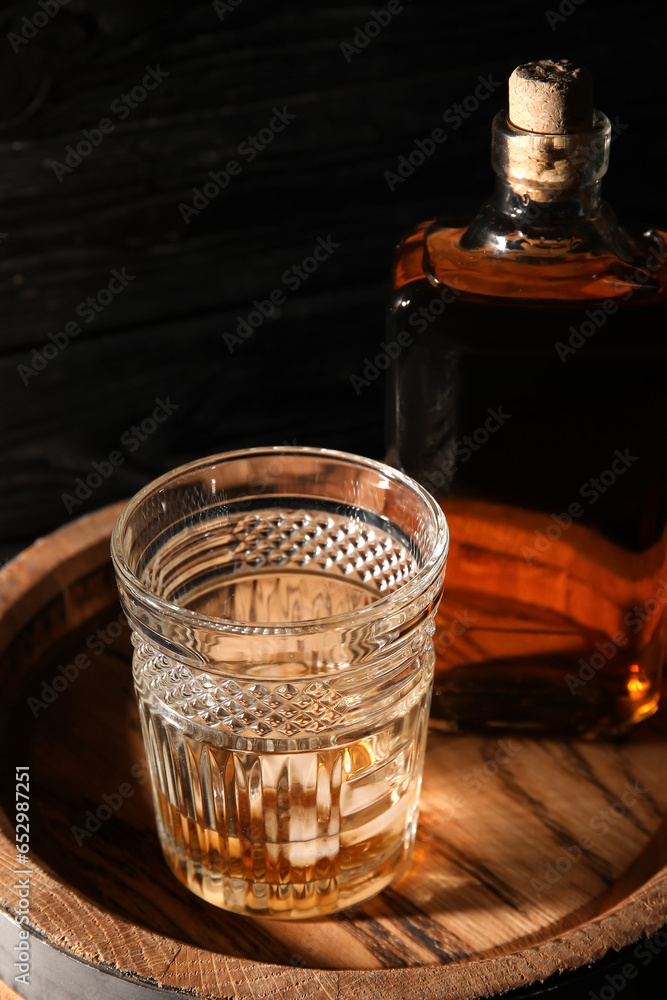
530	402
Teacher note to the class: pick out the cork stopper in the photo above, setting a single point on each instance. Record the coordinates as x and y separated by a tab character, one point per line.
551	97
551	140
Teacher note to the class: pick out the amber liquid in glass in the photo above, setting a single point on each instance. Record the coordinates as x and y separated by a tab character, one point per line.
302	834
272	831
530	402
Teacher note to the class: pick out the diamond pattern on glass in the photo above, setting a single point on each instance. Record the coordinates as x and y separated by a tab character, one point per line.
340	544
269	711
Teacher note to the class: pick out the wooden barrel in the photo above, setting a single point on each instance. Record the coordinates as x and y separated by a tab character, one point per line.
533	856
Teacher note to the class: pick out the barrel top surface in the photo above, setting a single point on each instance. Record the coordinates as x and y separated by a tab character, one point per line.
533	856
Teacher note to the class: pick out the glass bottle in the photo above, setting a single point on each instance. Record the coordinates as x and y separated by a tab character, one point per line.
529	400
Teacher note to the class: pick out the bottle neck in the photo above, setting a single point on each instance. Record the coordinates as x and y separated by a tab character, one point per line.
547	198
550	206
550	177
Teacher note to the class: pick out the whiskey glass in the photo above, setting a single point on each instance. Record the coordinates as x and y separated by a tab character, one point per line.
282	605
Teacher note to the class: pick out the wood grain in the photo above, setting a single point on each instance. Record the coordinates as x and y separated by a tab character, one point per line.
484	904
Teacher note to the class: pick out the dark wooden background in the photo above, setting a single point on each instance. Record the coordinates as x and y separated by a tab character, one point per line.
322	176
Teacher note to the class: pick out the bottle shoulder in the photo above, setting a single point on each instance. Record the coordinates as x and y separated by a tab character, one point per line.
569	264
409	256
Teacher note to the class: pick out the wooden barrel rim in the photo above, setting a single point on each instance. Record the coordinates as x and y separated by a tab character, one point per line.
50	566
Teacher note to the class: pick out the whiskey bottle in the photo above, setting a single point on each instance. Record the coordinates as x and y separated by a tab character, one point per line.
530	401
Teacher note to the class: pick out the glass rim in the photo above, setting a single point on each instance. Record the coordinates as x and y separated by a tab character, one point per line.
400	598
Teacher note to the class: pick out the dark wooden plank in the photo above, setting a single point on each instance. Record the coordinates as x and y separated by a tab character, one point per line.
324	174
